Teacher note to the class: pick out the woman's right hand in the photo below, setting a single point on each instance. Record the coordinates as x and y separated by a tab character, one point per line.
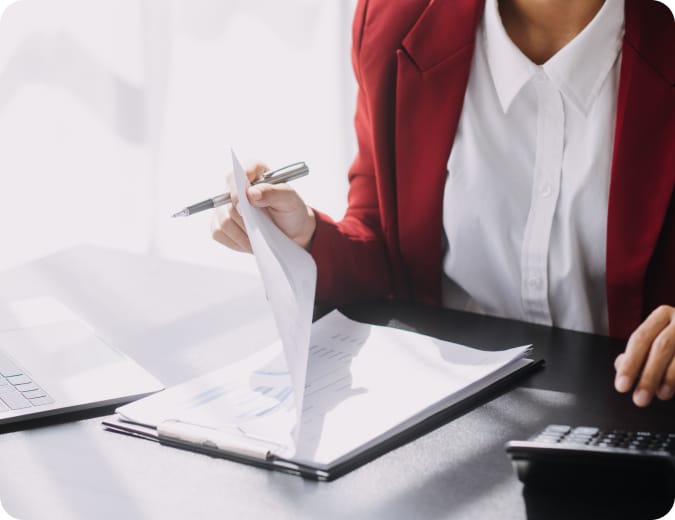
281	202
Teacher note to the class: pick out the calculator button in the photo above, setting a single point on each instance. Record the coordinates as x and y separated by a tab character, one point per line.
558	428
549	439
586	430
576	440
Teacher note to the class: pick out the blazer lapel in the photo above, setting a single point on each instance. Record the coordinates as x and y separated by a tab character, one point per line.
432	74
643	175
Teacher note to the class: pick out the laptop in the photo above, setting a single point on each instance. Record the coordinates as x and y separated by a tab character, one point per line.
52	362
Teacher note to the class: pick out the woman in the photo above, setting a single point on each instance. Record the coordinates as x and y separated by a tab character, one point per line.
515	158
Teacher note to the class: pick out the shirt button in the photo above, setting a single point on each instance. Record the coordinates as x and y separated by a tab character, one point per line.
534	282
545	190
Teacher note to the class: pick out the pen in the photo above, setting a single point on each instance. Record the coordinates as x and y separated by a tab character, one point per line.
285	174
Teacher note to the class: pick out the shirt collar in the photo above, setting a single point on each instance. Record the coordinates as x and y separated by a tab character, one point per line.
578	70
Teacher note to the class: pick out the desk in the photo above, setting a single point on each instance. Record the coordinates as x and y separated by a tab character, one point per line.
180	320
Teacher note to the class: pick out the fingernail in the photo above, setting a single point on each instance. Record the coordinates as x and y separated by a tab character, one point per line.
665	392
642	398
622	384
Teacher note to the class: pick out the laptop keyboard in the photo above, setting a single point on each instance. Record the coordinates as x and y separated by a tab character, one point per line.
17	389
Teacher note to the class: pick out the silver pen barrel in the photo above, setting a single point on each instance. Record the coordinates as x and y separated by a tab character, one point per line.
285	174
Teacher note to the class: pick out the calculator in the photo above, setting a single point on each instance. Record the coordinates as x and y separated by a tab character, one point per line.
586	456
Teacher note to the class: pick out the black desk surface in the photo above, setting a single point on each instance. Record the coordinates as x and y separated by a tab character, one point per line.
179	320
575	387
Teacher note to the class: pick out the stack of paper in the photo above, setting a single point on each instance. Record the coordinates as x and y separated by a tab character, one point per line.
326	393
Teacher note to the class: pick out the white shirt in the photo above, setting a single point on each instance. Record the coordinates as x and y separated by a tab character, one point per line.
525	202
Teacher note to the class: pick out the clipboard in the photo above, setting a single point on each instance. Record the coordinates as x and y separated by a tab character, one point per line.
236	446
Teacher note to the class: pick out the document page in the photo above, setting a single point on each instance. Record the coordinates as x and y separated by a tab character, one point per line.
289	277
255	390
364	383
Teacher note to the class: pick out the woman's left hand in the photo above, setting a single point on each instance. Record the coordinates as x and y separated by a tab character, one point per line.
648	362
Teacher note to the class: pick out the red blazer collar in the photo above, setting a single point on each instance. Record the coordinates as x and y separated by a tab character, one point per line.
437	35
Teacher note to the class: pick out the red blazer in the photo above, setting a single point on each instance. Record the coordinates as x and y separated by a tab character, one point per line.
412	60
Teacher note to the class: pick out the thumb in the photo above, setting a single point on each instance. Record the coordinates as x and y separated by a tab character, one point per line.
253	173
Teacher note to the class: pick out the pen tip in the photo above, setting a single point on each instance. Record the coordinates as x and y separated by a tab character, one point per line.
182	213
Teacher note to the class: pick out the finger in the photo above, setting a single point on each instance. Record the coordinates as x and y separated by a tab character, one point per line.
279	197
618	361
659	358
222	238
255	172
637	348
667	389
220	215
225	226
236	216
232	188
237	234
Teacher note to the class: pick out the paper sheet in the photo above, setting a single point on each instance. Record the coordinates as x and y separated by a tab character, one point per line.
289	277
367	381
364	383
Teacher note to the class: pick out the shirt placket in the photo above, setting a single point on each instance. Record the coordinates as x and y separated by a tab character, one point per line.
543	201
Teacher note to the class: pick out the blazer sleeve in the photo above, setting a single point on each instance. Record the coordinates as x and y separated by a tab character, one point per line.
351	255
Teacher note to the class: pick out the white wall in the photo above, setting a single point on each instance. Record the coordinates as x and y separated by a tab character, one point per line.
116	113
